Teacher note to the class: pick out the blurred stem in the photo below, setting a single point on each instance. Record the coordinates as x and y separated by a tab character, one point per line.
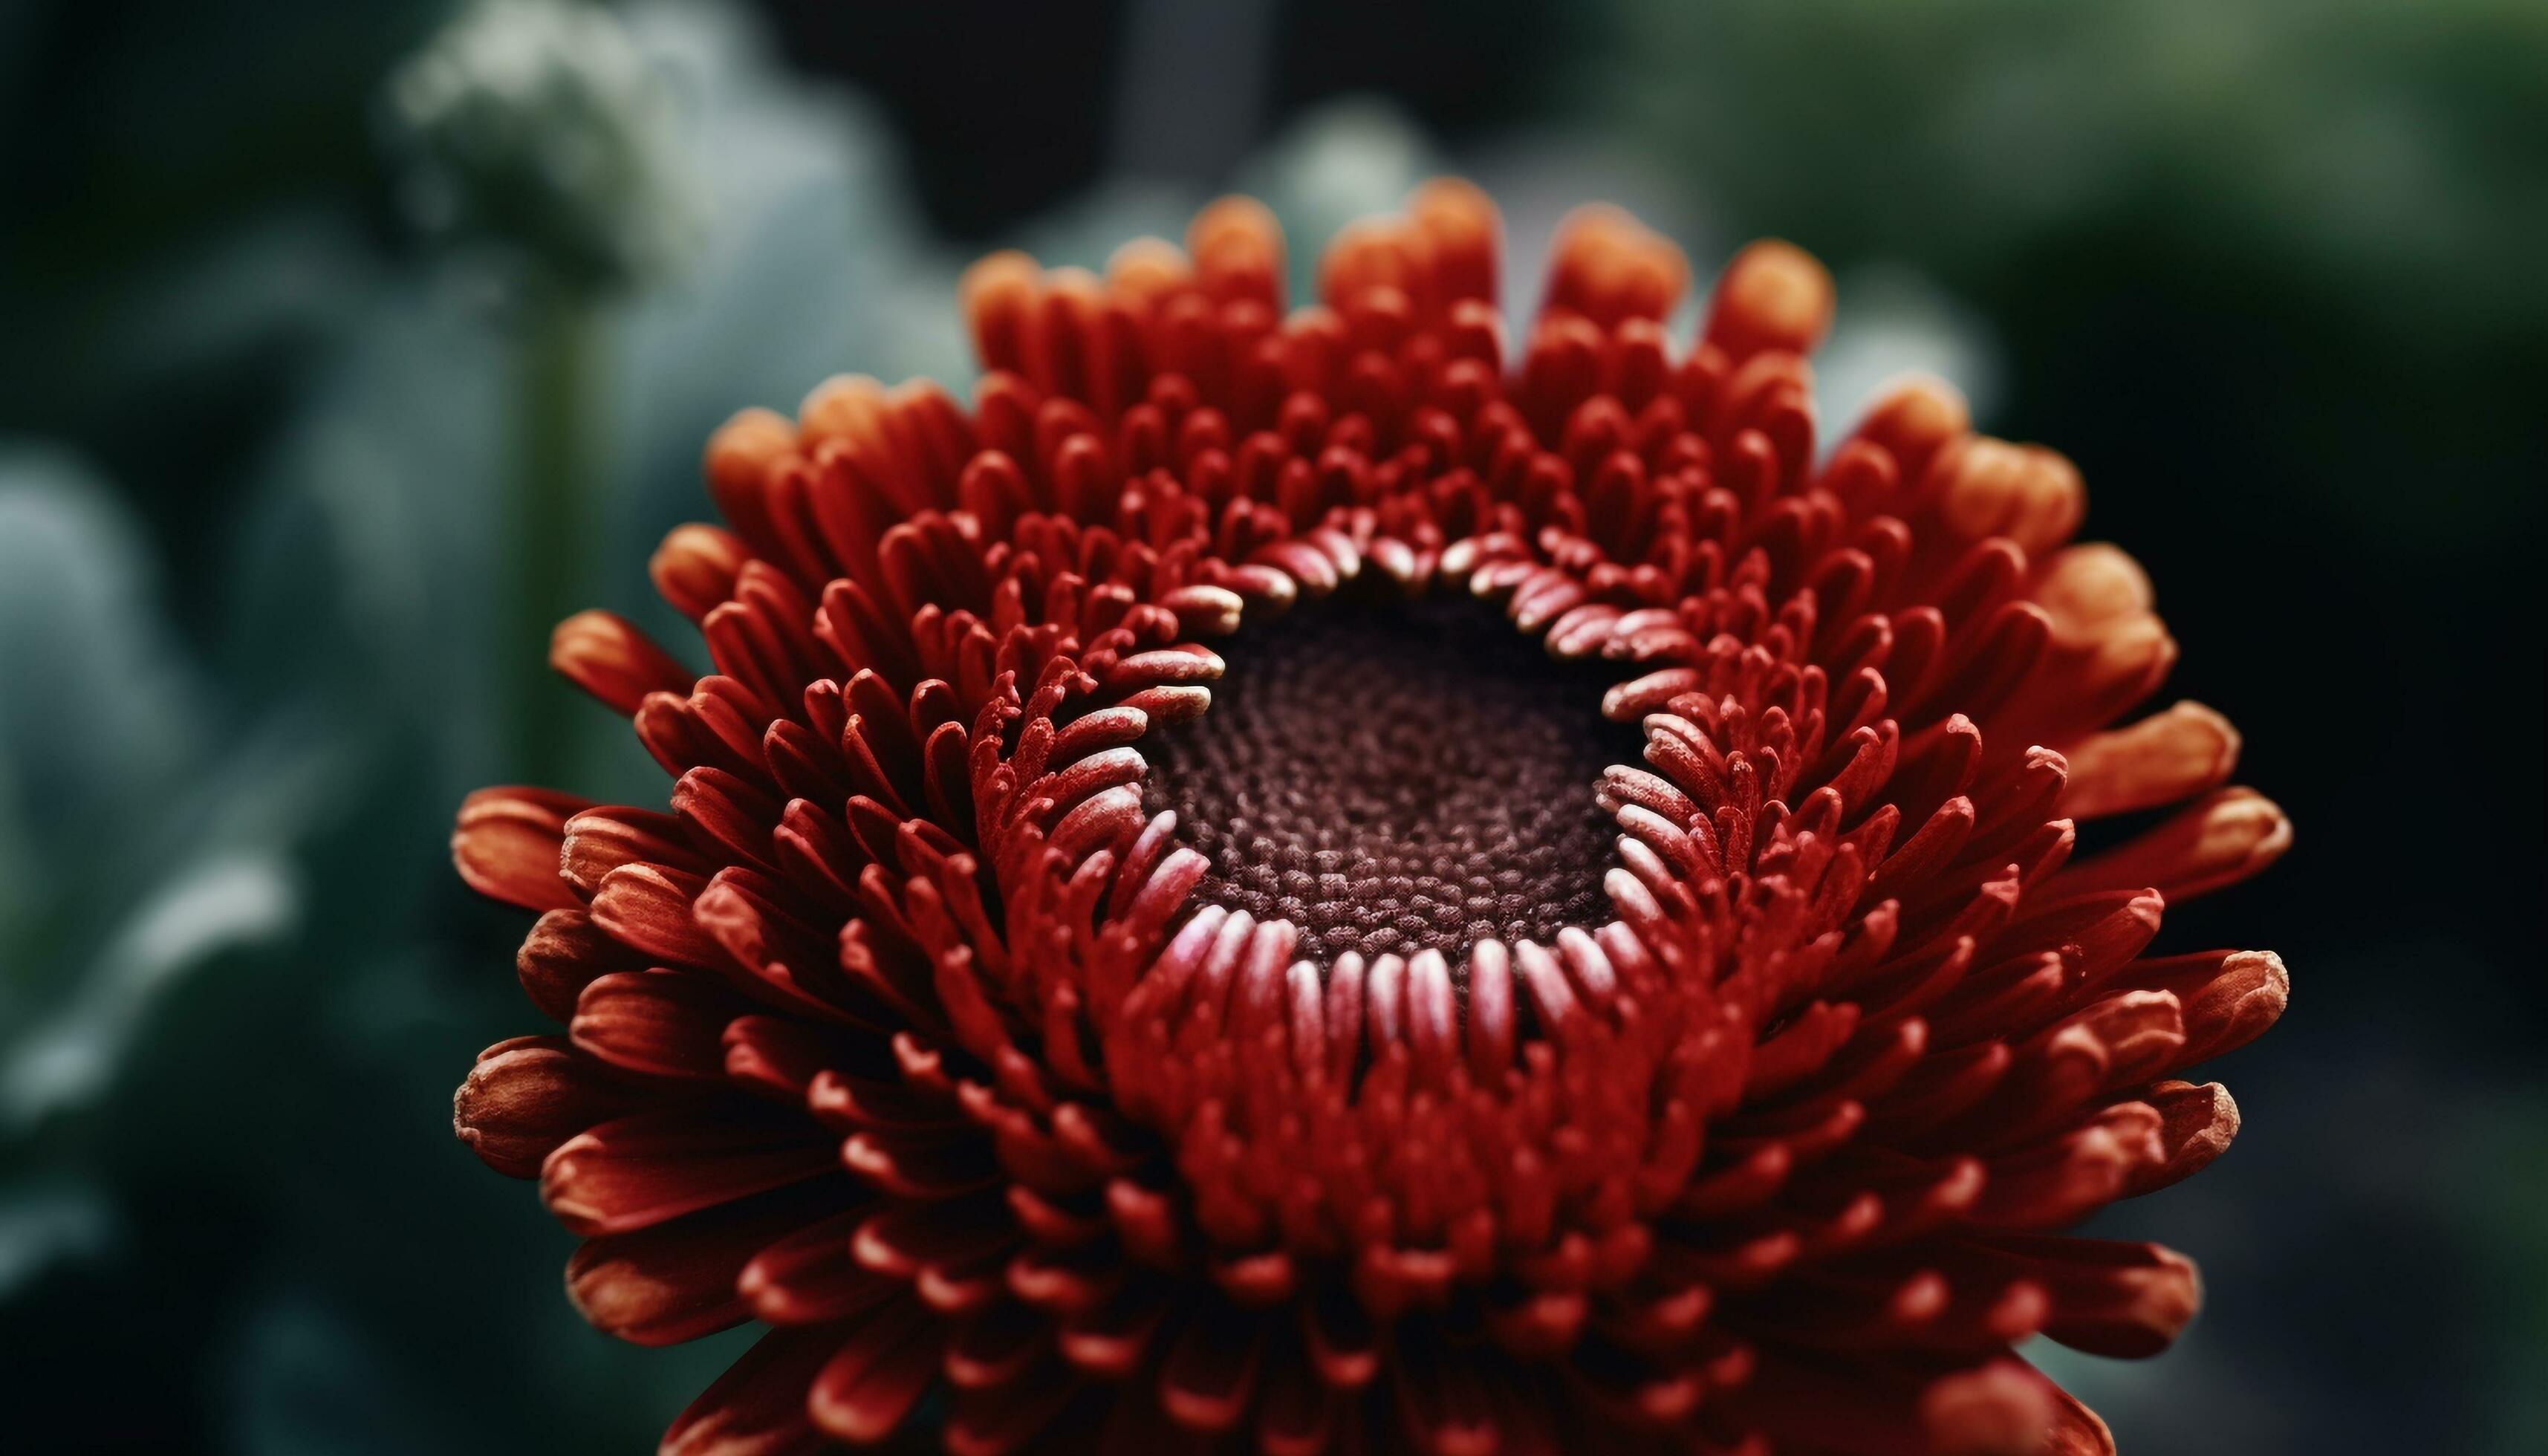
556	431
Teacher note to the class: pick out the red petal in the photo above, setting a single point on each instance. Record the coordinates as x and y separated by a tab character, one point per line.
809	1277
2123	1300
641	1171
2225	999
648	908
2163	758
508	844
757	1406
600	840
2226	838
679	1281
2195	1125
527	1096
606	654
658	1023
2002	1409
882	1361
562	955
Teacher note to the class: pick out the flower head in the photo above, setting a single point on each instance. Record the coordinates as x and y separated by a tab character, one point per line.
1593	961
538	126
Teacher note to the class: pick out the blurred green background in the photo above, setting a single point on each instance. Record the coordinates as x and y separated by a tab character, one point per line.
306	338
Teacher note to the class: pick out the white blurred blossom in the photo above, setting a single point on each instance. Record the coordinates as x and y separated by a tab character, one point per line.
539	129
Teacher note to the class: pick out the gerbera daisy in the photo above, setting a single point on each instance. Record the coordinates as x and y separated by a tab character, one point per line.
1591	960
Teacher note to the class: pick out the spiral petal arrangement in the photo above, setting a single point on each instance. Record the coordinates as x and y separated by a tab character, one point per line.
1384	1107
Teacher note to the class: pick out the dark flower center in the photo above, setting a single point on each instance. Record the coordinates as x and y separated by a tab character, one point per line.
1397	777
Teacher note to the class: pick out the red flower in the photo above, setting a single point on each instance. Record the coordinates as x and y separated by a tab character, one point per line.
1383	1105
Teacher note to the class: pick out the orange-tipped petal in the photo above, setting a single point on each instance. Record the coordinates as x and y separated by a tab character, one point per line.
1772	296
509	844
606	656
2165	757
1990	488
744	448
1237	251
2221	840
1608	267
